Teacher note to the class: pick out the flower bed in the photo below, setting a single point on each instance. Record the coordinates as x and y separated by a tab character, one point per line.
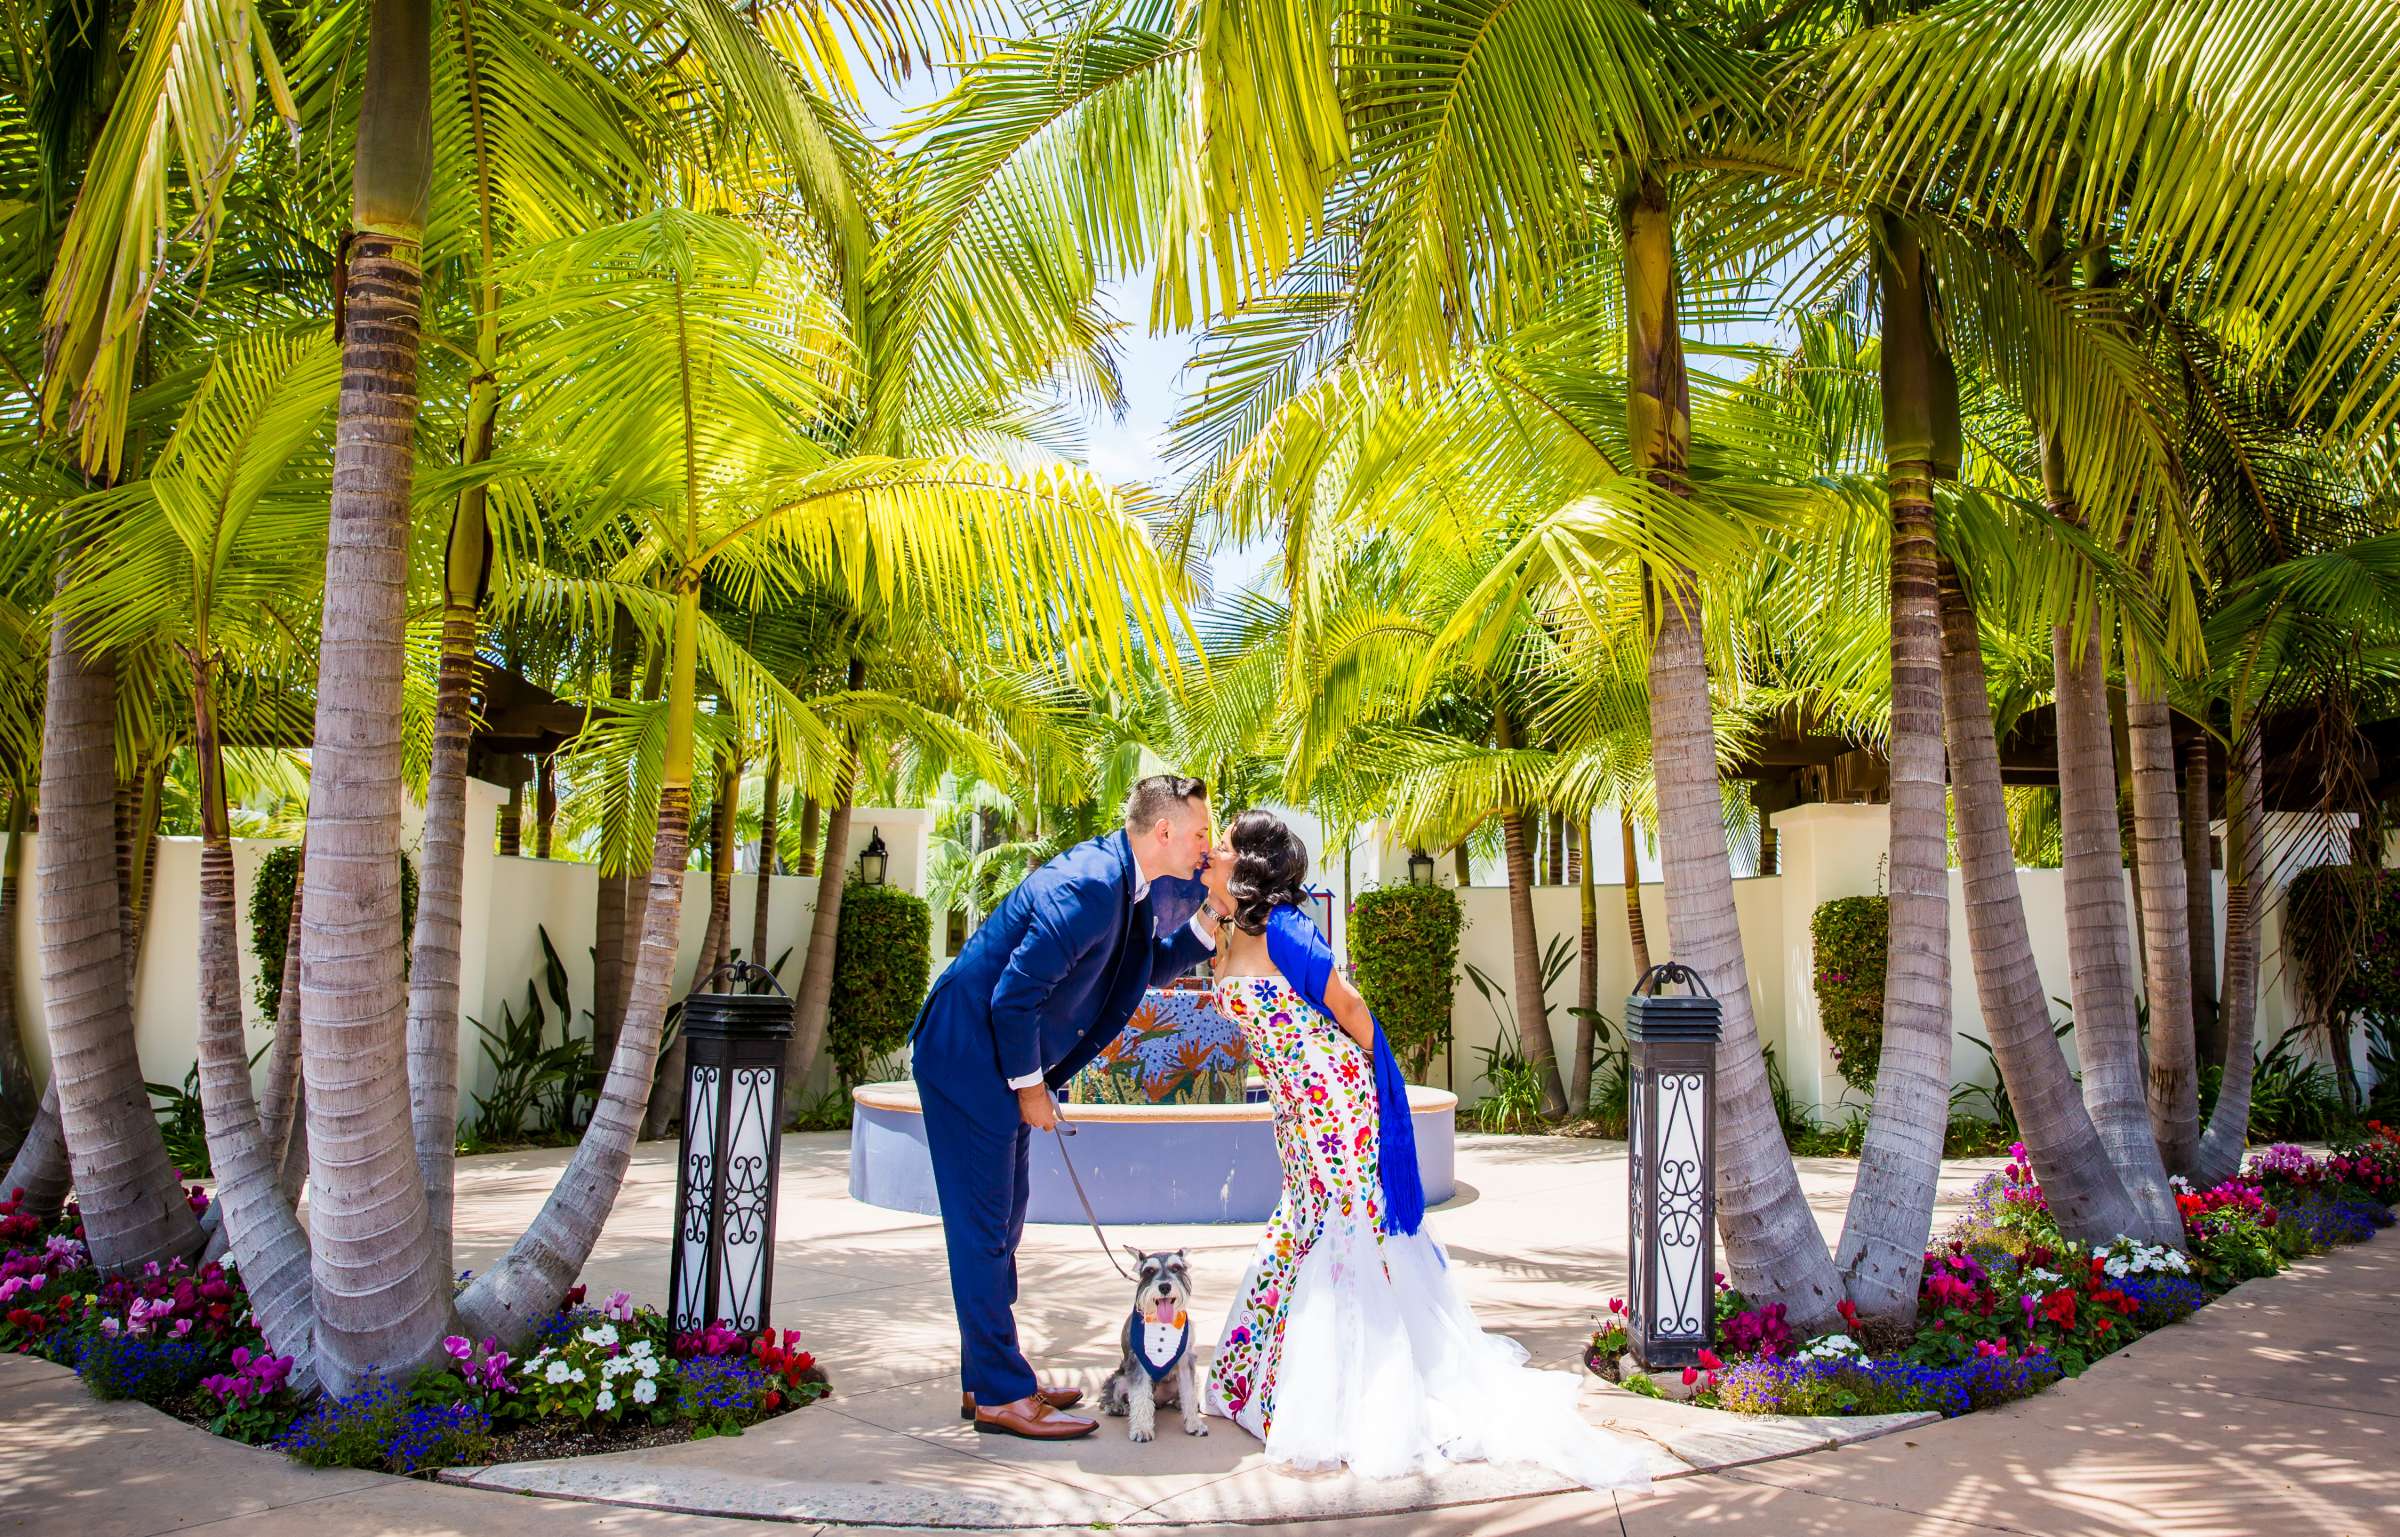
591	1379
2007	1305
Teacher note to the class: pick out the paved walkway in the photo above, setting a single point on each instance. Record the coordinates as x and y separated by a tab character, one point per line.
2275	1411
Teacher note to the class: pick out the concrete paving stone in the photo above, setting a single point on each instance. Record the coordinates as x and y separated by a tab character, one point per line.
2123	1457
832	1468
403	1507
71	1464
1713	1503
1267	1494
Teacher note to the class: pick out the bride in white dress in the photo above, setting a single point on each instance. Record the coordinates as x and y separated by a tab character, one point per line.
1349	1344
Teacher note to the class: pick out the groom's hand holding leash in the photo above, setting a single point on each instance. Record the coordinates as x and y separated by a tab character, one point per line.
1037	1107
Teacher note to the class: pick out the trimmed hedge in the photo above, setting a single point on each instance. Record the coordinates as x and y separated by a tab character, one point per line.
1853	938
271	918
882	955
1404	951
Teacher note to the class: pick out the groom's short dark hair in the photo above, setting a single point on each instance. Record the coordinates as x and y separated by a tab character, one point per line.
1156	798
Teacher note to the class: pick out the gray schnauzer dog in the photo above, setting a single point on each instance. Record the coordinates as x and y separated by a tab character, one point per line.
1158	1367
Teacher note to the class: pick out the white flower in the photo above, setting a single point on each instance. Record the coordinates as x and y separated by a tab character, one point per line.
2046	1279
559	1372
645	1391
606	1401
578	1375
599	1334
1833	1347
640	1348
648	1369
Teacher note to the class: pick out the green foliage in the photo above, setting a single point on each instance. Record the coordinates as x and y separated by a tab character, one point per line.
882	954
271	918
2341	931
2293	1099
533	1080
1515	1103
1851	936
180	1123
1611	1102
1404	950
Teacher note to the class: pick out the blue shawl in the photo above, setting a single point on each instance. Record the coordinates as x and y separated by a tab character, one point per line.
1300	952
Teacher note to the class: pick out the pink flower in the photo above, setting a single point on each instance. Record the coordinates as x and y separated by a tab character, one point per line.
619	1306
457	1347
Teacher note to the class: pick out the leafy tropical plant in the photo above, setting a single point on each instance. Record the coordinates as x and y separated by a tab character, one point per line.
534	1079
882	956
1849	937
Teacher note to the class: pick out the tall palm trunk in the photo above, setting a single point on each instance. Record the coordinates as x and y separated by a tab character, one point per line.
20	1101
2228	1131
38	1178
382	1291
814	999
2174	1082
2085	1195
1891	1203
1524	949
2208	1027
1772	1246
441	874
2099	953
768	808
510	1298
133	1209
613	937
665	1100
1587	972
1462	865
279	1102
264	1236
545	804
812	836
1554	851
1637	935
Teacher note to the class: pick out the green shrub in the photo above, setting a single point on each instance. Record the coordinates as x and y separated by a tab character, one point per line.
271	917
1404	951
882	954
1852	935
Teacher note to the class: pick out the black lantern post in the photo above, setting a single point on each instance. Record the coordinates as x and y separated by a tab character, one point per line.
1672	1177
723	1263
1420	868
873	859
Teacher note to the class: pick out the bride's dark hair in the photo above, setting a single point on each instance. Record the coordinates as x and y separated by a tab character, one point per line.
1269	864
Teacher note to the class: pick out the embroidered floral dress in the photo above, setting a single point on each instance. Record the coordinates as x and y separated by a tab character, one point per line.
1349	1345
1323	1091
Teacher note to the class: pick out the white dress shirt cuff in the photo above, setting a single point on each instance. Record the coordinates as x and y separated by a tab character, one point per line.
1026	1082
1204	924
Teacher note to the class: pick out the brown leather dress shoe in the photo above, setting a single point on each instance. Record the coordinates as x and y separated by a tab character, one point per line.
1033	1420
1056	1398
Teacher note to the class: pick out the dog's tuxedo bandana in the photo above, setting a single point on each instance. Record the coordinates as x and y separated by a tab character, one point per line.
1158	1339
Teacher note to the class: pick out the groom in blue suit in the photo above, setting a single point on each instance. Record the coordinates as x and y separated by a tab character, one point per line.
1039	990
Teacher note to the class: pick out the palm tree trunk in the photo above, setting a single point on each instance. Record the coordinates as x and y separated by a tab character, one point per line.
134	1211
1636	935
811	836
1772	1246
1882	1249
2174	1084
1462	865
38	1177
762	894
258	1225
510	1298
1554	851
512	821
2208	1027
2107	1032
382	1292
719	944
279	1103
20	1101
2085	1194
814	999
1587	972
441	871
545	804
1524	944
2228	1133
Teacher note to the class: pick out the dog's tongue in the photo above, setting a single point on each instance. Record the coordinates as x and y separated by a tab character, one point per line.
1162	1312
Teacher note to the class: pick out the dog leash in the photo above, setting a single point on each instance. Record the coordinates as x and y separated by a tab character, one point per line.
1062	1131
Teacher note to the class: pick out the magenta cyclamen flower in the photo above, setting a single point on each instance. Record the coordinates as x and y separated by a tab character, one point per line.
619	1306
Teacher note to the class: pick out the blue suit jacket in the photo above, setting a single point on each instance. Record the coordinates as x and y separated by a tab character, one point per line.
1053	975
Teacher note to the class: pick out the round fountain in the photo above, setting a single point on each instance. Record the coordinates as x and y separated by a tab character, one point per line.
1169	1128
